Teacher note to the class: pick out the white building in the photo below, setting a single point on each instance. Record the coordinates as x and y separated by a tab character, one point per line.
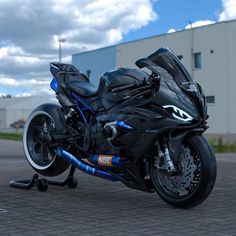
208	53
14	109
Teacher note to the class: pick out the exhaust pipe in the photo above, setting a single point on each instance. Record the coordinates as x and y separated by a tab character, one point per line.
107	160
83	166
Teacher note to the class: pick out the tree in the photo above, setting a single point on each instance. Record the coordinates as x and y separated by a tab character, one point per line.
19	124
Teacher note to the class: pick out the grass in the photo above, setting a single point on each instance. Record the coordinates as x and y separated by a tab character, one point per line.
224	148
11	136
220	147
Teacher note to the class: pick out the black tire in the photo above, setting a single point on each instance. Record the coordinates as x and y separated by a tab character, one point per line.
42	185
200	172
42	158
71	182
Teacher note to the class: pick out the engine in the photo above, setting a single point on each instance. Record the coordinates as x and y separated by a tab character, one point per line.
105	136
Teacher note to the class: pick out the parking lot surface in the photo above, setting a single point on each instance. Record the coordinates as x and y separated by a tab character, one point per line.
100	207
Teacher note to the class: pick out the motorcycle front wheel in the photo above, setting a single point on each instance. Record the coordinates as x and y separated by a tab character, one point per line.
195	176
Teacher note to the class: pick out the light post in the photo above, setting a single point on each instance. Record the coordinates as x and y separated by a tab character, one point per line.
192	45
60	41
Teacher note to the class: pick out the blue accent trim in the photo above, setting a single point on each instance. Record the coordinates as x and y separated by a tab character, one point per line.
84	167
54	85
122	124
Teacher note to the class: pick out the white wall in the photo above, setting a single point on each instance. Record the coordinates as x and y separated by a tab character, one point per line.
213	74
2	118
231	74
179	42
13	109
13	115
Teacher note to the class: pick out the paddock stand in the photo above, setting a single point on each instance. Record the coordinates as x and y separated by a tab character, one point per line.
42	184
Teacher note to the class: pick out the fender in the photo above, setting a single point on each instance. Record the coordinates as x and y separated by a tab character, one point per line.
176	140
54	110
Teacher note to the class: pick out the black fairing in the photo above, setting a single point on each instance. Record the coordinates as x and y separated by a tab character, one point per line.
167	60
142	106
152	104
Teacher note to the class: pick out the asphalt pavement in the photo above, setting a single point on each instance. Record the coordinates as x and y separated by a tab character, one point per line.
101	207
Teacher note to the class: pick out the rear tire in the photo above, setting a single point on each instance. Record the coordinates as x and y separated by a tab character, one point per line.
197	175
37	147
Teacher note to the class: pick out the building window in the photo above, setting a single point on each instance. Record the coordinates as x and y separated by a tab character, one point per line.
197	60
180	57
210	99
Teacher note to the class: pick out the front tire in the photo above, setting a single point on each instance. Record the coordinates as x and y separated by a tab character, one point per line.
195	178
38	148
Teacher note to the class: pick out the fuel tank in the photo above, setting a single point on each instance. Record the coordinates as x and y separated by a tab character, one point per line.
114	85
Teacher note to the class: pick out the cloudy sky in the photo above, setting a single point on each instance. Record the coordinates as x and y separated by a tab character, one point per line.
30	29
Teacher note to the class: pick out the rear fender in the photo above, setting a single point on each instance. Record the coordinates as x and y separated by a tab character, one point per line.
54	110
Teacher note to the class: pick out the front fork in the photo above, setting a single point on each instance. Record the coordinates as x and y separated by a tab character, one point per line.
163	159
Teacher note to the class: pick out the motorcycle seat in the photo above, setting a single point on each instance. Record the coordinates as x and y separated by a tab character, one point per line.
84	89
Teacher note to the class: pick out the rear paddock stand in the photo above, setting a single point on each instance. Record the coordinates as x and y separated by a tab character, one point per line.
42	184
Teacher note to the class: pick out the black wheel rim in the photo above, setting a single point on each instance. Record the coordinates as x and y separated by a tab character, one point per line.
39	140
187	178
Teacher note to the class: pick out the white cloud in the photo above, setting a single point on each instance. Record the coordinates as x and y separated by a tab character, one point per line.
25	87
171	31
114	36
23	95
29	30
228	13
193	25
21	83
229	10
199	24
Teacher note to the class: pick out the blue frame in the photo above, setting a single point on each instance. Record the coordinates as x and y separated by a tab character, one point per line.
82	106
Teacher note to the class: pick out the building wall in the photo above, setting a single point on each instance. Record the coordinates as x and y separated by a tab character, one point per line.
97	61
13	109
231	74
211	42
2	118
13	115
179	42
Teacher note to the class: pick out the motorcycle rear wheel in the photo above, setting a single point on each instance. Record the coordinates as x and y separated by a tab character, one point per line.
194	179
39	150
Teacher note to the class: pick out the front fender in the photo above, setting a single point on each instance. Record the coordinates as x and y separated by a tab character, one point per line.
176	139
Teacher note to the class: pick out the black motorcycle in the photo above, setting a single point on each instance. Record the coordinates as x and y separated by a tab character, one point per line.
143	129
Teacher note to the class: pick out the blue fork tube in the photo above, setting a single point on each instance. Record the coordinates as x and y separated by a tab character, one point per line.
84	167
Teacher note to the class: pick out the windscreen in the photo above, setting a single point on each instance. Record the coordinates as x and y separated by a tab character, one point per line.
166	59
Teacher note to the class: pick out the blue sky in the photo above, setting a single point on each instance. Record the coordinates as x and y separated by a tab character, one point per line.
177	14
30	30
